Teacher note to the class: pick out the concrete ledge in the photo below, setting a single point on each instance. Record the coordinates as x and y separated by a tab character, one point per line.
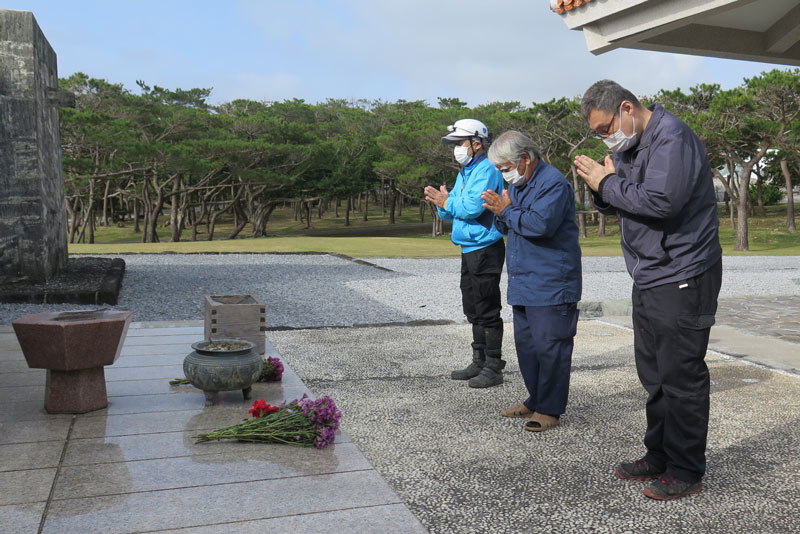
592	309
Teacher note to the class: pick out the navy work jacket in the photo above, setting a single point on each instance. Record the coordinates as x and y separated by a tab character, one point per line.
663	194
543	256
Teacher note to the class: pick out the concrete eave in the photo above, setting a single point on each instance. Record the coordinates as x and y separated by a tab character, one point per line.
692	27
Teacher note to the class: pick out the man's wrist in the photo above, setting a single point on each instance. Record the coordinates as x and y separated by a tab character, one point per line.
601	184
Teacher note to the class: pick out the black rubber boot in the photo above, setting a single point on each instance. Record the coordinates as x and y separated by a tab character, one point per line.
491	374
473	369
478	355
492	371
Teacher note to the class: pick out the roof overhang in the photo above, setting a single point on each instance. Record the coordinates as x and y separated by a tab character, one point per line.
756	30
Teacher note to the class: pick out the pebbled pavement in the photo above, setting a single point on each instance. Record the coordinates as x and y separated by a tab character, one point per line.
461	468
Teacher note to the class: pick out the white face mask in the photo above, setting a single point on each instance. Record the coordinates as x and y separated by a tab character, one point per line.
618	141
461	153
514	177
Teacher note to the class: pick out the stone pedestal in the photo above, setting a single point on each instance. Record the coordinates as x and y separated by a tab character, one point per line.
235	316
73	347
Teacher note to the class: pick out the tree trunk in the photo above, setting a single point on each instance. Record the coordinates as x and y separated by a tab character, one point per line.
366	206
742	239
307	211
88	213
576	193
136	227
347	210
155	212
197	220
436	221
74	221
242	221
762	211
336	204
91	226
392	204
263	213
105	203
383	196
601	225
174	227
790	226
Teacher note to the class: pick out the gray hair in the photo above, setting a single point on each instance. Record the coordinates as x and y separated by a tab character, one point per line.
510	146
606	95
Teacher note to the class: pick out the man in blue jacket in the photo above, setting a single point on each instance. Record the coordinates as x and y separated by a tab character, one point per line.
544	274
659	185
482	249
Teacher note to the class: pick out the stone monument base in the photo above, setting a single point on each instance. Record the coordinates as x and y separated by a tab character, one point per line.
86	280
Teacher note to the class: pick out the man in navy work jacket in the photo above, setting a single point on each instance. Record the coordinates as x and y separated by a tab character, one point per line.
482	249
544	274
659	185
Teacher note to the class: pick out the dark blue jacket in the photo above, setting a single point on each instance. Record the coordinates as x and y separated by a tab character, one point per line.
543	256
663	194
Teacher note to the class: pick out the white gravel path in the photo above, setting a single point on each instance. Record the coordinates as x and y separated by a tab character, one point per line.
312	290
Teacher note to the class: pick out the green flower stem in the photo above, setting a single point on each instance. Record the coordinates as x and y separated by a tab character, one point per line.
282	426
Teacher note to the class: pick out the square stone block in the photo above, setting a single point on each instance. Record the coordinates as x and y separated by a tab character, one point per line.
235	316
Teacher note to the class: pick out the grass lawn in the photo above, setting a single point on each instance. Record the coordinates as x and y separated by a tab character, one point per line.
407	238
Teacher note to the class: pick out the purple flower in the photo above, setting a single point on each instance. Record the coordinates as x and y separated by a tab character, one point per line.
326	437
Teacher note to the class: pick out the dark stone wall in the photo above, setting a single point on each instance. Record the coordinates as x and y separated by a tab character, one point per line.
33	224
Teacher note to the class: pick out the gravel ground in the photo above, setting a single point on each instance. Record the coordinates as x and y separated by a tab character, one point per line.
463	469
302	290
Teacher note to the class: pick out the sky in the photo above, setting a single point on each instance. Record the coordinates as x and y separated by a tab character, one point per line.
272	50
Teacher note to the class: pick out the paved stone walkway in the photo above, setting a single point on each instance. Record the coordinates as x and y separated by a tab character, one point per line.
777	317
135	466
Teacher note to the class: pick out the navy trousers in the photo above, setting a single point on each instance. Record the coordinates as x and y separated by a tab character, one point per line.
544	336
671	325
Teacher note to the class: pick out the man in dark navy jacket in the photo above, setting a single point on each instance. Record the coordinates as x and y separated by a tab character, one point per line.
543	260
659	185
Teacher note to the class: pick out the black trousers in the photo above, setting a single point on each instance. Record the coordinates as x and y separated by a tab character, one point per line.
480	284
671	327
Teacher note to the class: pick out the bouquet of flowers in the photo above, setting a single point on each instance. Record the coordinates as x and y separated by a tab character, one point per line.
301	422
271	370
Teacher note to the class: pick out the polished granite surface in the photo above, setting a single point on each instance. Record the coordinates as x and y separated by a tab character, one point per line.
134	466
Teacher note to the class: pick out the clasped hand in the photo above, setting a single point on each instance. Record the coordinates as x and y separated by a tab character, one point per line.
437	196
592	172
494	202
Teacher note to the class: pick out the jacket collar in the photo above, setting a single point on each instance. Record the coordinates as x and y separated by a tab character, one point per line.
652	125
476	160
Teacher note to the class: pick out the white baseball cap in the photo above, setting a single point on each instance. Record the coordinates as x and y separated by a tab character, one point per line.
465	129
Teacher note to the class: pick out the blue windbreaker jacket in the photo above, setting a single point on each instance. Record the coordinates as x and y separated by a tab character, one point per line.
472	223
543	256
